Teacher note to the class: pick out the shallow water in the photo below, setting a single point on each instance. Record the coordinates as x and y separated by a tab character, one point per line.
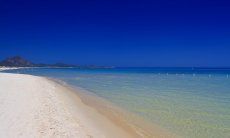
187	102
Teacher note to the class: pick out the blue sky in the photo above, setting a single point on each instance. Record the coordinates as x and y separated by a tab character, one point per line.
119	33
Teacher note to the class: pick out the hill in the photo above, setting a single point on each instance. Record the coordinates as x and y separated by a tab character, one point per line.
18	61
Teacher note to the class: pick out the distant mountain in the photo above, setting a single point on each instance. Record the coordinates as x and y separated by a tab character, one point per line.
16	61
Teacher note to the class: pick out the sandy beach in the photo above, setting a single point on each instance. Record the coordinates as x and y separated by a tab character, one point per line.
33	106
36	107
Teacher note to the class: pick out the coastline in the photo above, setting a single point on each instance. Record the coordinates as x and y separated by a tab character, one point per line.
131	123
92	119
2	68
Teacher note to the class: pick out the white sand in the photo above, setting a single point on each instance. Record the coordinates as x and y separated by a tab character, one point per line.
33	106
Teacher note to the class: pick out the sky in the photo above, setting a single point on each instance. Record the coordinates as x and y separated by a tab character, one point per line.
162	33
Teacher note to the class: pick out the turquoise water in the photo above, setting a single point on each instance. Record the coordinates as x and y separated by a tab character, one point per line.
189	102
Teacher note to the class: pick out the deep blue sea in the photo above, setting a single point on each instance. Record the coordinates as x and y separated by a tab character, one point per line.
190	102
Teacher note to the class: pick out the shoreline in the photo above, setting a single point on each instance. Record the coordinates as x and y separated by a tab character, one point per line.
33	106
94	119
135	125
2	68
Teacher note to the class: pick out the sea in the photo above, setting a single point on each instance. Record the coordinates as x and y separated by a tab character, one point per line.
189	102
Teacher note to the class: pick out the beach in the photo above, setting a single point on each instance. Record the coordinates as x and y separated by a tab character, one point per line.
64	102
35	107
117	102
